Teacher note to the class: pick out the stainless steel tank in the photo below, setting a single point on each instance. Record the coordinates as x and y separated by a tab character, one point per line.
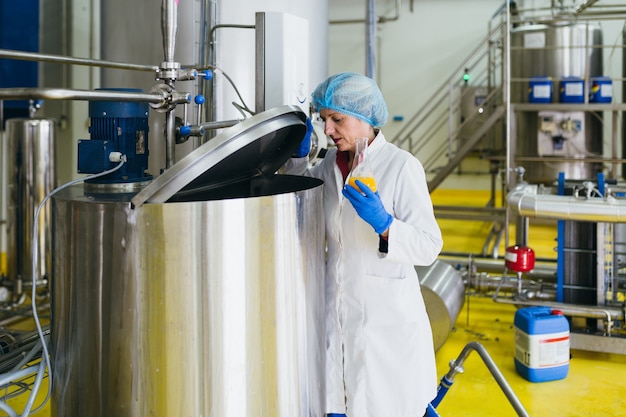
31	177
444	293
201	294
556	51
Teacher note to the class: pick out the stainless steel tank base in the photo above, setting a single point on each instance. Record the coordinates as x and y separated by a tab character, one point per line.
444	293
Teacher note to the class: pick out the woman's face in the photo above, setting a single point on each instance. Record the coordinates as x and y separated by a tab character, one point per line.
344	129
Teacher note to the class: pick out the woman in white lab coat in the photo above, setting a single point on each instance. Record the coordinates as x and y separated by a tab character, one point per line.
380	354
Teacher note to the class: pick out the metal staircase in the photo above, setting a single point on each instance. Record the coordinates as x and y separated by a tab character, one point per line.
441	133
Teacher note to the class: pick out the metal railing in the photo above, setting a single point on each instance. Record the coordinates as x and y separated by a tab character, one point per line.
438	132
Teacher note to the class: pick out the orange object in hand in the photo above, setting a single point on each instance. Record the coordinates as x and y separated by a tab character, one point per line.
369	181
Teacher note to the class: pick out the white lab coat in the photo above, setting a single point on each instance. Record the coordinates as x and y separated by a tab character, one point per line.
380	354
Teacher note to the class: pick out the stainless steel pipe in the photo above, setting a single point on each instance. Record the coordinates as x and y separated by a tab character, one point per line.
601	313
162	97
169	27
527	201
34	56
456	366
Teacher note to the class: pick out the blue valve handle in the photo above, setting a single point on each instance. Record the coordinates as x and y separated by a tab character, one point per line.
185	130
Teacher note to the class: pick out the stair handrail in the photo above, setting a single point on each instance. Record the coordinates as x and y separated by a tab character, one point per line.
421	115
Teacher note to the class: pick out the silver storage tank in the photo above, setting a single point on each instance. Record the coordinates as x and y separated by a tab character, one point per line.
31	177
556	51
200	295
444	294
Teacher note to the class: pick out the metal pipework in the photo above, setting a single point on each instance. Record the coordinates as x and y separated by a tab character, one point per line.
483	284
379	19
168	73
469	213
219	124
193	130
170	139
581	8
32	56
370	40
201	129
169	27
601	313
157	98
456	366
545	271
525	201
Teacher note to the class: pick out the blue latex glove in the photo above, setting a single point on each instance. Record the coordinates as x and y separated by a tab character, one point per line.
305	145
368	206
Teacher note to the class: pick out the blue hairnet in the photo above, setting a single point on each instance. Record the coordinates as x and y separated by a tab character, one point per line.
353	94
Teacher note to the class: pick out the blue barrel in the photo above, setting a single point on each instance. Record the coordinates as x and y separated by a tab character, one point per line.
541	344
601	90
540	90
572	90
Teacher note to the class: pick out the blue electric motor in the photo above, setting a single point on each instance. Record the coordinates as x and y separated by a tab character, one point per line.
116	127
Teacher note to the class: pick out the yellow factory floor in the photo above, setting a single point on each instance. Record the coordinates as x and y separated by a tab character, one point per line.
596	382
594	386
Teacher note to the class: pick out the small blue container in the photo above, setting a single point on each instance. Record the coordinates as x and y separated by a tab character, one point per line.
601	90
541	344
572	90
540	90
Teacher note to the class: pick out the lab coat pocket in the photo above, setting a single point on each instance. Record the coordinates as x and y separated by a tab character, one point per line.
386	294
384	269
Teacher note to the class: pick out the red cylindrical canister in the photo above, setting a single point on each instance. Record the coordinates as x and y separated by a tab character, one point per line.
519	258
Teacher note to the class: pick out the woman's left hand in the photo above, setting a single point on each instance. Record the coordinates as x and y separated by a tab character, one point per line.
305	145
368	206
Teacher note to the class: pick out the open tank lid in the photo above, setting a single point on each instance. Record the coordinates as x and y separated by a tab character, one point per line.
257	146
